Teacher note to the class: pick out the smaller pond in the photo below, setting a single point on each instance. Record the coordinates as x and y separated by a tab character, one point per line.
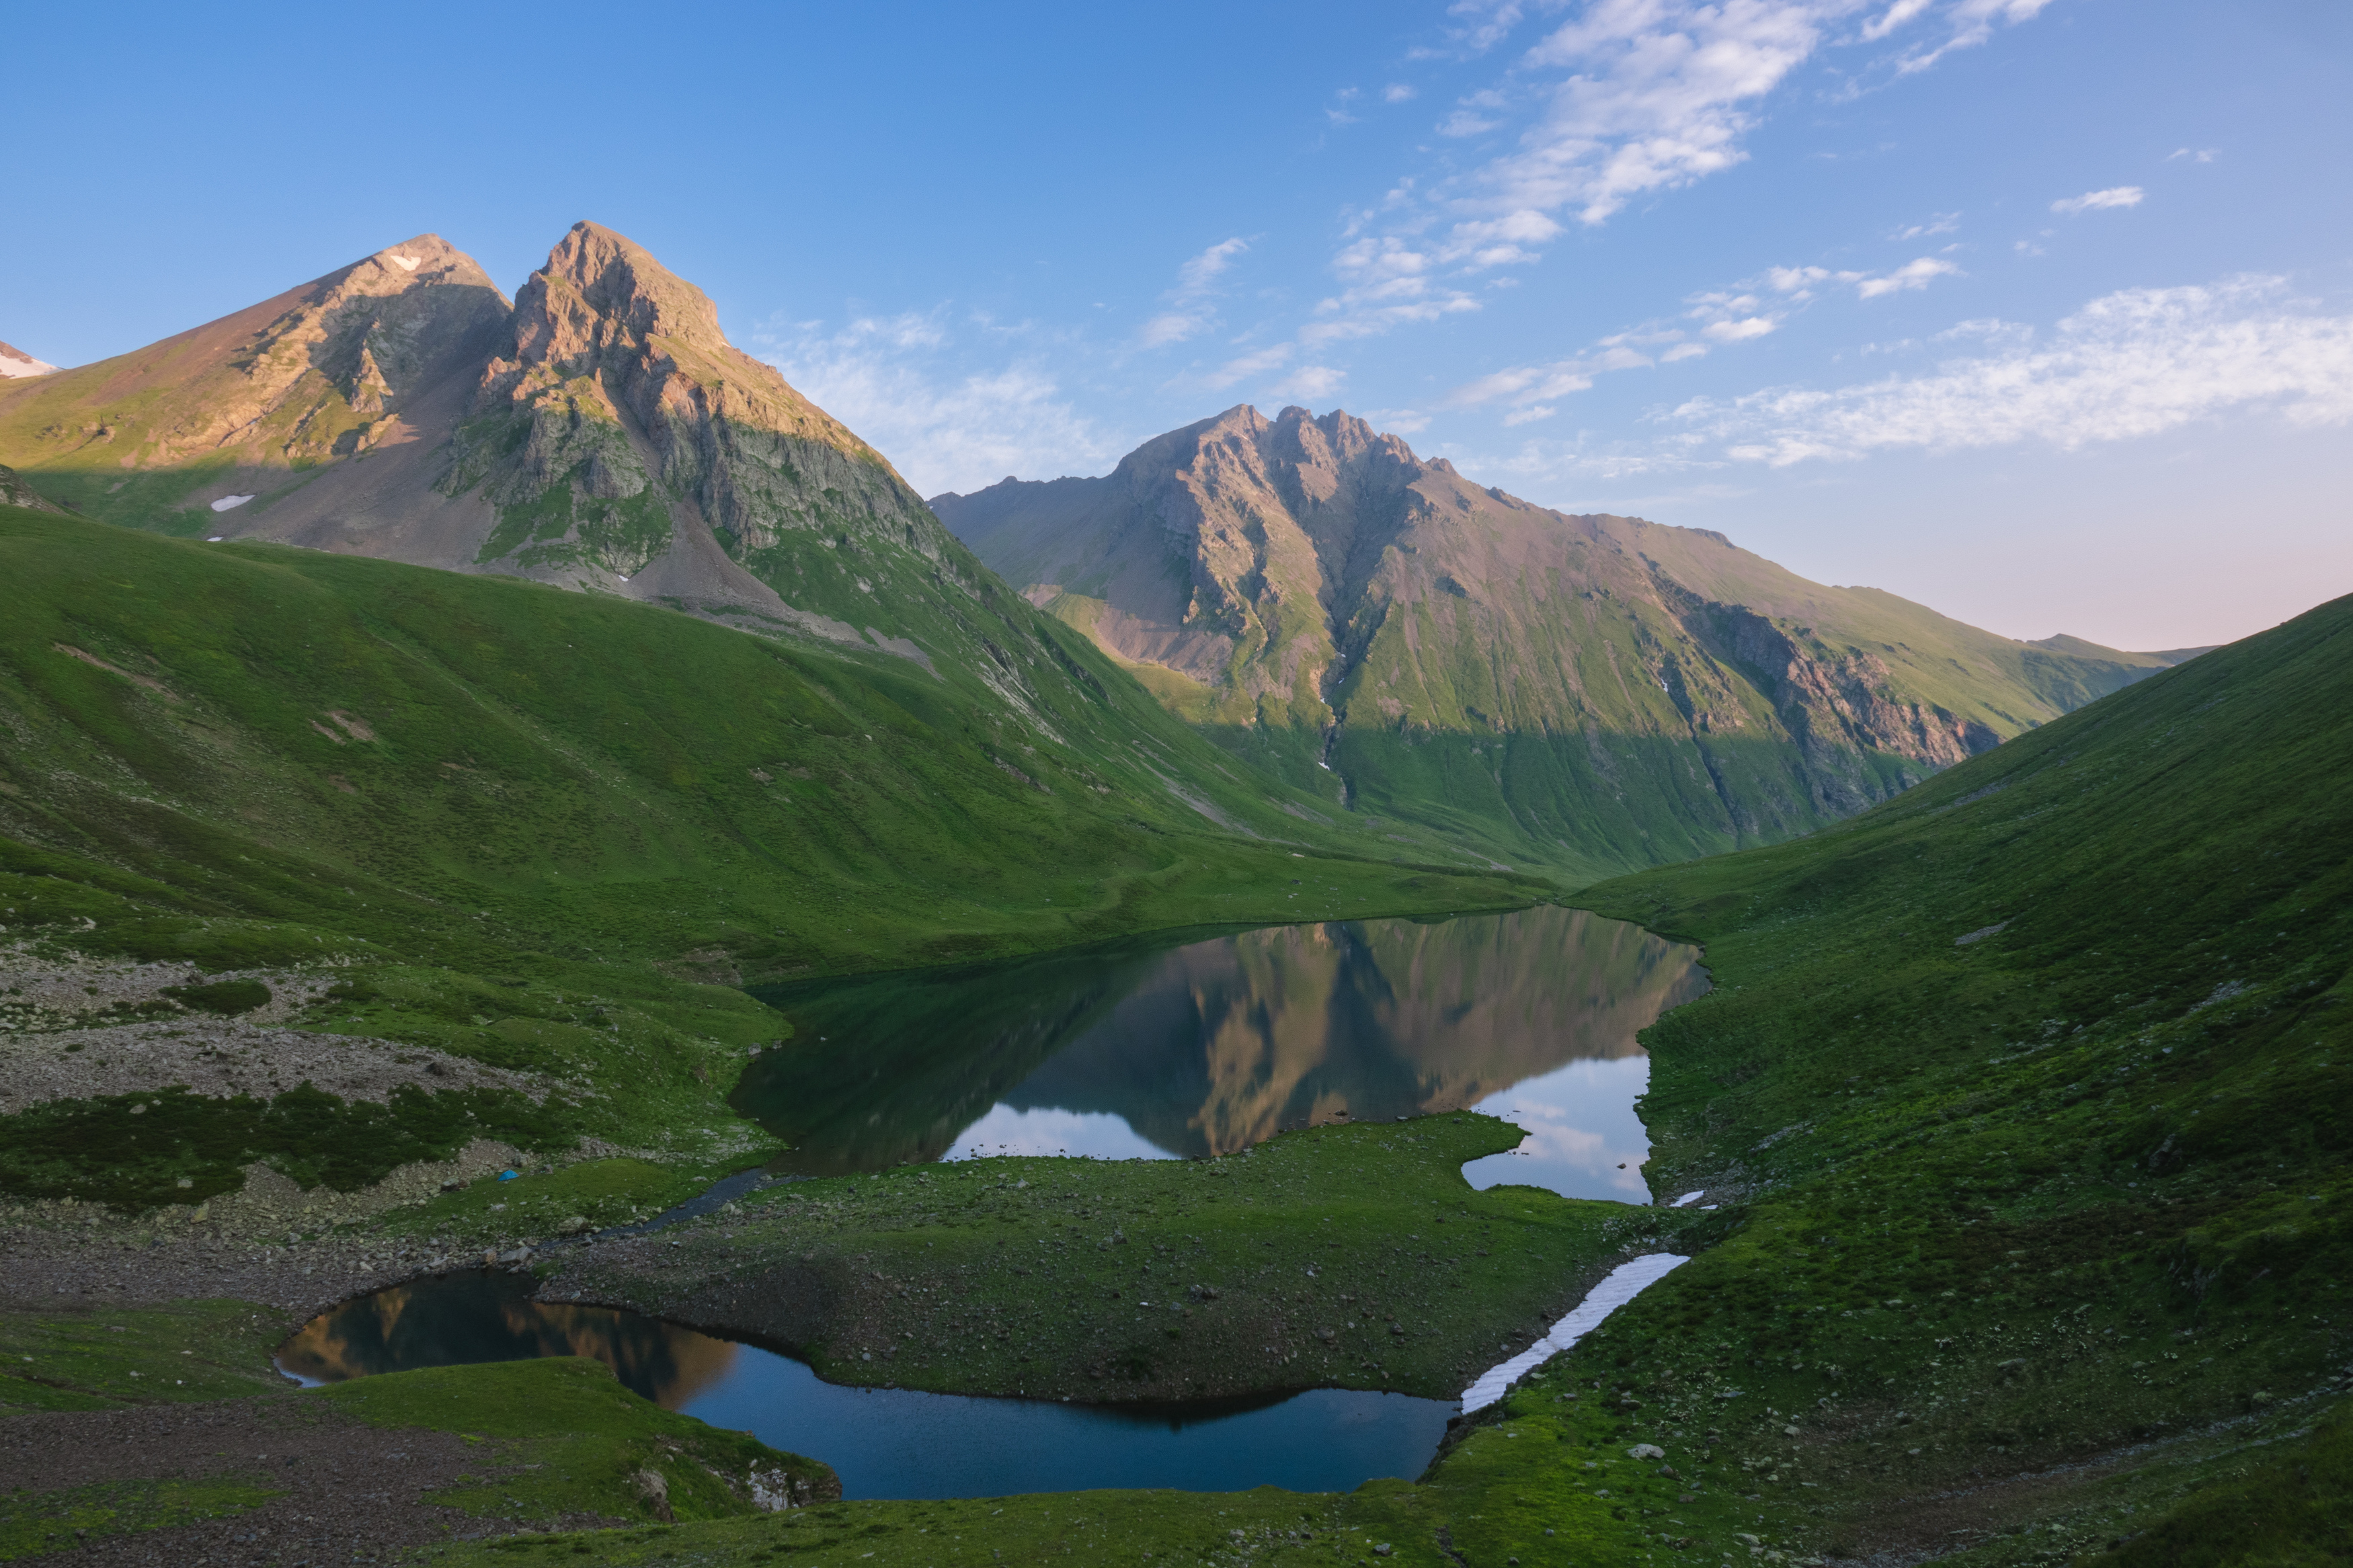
882	1443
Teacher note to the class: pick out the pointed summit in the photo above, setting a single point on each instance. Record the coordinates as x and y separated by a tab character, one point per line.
620	422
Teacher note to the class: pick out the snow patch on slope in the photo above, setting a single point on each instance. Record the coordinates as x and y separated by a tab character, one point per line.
1619	1286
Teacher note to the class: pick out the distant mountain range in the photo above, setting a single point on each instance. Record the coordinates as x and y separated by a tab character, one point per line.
1591	692
1583	694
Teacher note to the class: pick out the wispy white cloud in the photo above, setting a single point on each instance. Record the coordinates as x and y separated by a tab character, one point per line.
1387	282
1942	223
1244	366
1190	311
1629	97
1397	92
1622	100
2200	155
1398	421
2133	364
1967	23
1206	268
1911	275
1311	383
901	384
2096	201
1486	23
1799	282
1530	415
1524	385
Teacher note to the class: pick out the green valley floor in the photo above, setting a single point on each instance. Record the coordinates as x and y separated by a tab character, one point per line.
2018	1102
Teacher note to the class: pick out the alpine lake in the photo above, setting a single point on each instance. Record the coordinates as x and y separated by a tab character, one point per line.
1178	1049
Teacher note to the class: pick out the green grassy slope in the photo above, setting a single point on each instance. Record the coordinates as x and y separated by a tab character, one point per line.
552	831
2033	1247
429	761
2030	1084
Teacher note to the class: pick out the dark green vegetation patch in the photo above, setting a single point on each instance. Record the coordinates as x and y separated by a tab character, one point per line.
135	1151
226	997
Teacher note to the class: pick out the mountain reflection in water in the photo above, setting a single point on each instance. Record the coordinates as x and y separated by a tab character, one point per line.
1212	1045
462	1318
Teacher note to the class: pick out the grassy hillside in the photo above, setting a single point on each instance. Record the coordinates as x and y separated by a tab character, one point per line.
550	832
2031	1085
385	751
2022	1097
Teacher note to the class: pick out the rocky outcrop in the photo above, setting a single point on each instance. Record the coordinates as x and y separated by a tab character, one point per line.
618	426
1231	552
15	491
1835	706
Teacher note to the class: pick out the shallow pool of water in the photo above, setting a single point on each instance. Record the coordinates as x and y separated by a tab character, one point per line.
1207	1046
884	1443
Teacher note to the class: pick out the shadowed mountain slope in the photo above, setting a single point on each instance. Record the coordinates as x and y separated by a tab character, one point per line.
1591	692
2023	1094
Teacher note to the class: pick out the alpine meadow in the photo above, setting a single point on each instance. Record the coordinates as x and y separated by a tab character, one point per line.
587	976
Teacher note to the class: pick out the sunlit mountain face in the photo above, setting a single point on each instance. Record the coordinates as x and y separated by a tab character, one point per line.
1207	1046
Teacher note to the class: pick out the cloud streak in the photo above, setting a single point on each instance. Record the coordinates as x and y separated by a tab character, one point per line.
1641	96
945	427
2133	364
1191	307
2098	201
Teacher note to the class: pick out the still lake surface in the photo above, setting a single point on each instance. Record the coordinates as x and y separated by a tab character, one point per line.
882	1442
1207	1046
1165	1050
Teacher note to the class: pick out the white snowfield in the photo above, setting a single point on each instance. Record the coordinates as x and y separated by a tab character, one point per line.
226	503
1688	1198
1619	1286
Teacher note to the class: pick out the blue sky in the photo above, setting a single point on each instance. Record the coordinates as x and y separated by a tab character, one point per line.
2039	311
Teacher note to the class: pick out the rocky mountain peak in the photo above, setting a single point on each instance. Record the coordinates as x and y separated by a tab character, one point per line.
599	289
1316	591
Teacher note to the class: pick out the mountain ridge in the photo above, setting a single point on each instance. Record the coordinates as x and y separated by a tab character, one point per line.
1318	595
598	433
